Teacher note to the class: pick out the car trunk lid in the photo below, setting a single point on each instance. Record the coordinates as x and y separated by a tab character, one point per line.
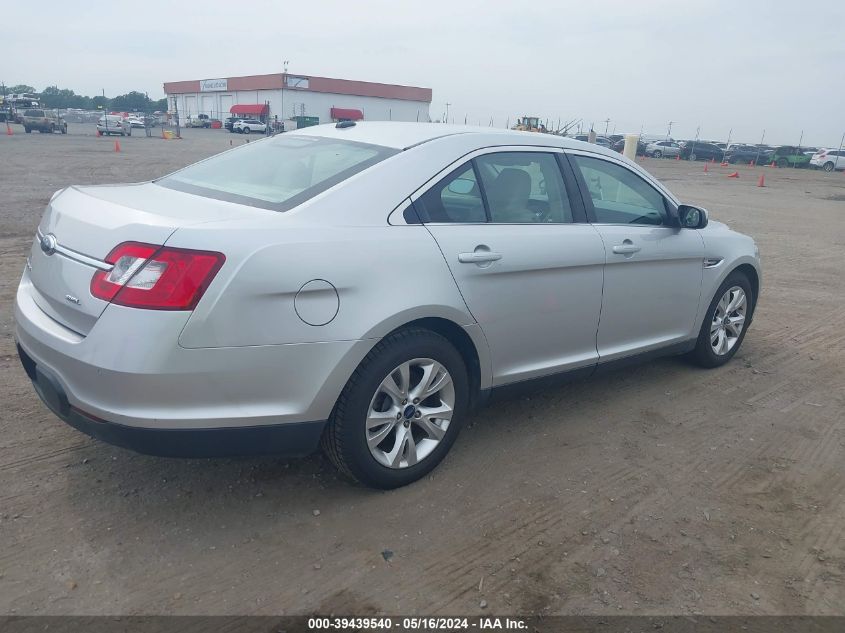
82	225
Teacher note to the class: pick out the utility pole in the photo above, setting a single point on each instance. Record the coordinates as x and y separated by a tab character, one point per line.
284	82
447	112
669	131
838	155
606	125
759	148
176	114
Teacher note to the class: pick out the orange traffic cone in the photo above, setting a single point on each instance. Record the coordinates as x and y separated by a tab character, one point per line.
99	133
762	181
723	164
8	129
772	164
712	160
751	162
677	157
705	168
117	146
734	175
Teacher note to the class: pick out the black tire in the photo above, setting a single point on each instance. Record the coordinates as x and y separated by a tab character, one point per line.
828	166
703	354
64	129
27	130
657	154
344	440
693	157
782	162
245	130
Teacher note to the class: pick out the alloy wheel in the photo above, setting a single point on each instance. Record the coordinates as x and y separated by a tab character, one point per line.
410	413
728	320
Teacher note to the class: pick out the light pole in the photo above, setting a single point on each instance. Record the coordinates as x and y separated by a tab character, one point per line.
284	80
447	112
669	131
606	125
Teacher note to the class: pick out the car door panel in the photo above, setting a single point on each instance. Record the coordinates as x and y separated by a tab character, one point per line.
651	295
653	272
529	268
538	304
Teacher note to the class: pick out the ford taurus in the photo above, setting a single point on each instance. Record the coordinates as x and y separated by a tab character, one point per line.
364	286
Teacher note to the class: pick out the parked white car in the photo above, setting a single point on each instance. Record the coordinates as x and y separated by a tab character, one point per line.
660	149
365	286
246	126
829	159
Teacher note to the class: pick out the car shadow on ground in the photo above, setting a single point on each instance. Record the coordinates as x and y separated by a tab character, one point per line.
104	479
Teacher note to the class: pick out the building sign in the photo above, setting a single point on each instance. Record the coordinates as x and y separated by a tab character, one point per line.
214	85
296	82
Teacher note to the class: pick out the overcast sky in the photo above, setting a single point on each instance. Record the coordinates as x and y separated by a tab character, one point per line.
720	65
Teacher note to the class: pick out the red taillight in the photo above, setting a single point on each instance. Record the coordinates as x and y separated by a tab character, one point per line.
156	277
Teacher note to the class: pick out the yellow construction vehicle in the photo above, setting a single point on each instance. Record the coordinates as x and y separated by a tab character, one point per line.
530	124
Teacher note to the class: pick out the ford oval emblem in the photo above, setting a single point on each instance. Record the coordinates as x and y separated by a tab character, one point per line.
48	244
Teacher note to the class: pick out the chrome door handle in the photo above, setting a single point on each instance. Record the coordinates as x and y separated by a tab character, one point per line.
626	248
479	257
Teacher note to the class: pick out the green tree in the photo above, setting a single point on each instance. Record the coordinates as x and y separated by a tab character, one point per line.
130	102
19	89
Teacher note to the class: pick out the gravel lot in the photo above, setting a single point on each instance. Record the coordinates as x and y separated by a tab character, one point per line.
655	490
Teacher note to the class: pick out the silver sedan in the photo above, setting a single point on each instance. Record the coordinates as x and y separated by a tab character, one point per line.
364	286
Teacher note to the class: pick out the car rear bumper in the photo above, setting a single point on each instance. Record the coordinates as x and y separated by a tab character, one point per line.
129	382
112	129
292	439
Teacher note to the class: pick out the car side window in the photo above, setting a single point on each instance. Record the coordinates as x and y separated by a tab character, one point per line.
456	198
619	195
524	188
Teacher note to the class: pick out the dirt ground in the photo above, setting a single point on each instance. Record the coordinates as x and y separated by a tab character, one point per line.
662	489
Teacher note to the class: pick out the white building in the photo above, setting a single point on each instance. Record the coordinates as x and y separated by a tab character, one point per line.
287	95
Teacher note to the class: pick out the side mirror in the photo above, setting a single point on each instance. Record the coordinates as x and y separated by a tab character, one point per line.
691	217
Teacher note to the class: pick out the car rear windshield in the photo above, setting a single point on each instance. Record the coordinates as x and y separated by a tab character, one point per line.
277	173
34	113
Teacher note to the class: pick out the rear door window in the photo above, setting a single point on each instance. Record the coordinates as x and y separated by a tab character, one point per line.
455	199
524	188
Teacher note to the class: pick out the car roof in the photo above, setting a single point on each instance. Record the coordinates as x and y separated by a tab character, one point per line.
402	136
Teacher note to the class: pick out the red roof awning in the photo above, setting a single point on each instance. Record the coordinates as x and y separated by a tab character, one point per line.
250	108
349	114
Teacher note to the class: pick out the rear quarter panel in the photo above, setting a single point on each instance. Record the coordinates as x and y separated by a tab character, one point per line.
381	278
